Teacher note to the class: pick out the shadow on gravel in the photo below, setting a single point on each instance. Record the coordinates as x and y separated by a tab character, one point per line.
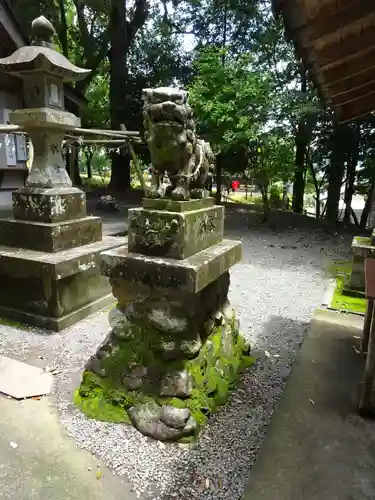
220	466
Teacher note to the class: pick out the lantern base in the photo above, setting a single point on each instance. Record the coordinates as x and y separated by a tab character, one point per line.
53	290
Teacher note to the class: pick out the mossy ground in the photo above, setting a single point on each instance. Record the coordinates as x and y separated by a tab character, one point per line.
342	301
214	372
14	324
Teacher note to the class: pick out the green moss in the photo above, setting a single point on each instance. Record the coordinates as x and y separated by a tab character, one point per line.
214	372
362	240
344	302
99	399
340	300
14	324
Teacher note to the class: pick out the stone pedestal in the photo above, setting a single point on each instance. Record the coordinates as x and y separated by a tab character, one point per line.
362	248
174	349
49	259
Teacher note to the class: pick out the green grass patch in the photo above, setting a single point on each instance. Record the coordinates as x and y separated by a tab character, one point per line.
341	300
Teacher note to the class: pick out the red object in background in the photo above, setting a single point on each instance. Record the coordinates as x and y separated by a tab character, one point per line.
235	185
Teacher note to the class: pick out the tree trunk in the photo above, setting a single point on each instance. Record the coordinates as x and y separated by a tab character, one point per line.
218	179
317	204
76	173
120	176
366	208
300	164
300	171
336	170
265	203
122	36
351	173
349	189
88	166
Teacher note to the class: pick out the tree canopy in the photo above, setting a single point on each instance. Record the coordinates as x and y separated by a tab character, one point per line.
252	98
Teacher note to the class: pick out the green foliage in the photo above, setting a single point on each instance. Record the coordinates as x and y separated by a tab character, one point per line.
230	101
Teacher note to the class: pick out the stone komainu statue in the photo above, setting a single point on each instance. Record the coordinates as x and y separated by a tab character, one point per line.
174	147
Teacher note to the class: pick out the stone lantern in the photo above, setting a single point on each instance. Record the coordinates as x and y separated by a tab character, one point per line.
49	258
44	71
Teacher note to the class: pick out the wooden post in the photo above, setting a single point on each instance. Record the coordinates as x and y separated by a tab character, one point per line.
135	160
365	401
367	325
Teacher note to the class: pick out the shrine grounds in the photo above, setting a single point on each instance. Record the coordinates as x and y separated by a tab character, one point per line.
275	289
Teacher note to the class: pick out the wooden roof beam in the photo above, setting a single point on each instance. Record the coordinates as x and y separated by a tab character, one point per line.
352	82
349	68
331	18
349	46
353	95
356	109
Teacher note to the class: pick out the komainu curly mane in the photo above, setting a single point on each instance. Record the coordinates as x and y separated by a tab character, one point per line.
174	147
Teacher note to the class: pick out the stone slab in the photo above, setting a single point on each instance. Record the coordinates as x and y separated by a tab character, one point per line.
50	237
176	206
44	117
21	263
49	205
361	246
176	235
53	290
20	380
188	275
56	324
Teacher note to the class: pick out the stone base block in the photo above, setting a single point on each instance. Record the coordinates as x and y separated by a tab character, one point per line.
361	249
53	289
51	237
173	276
169	205
56	324
49	205
176	235
167	364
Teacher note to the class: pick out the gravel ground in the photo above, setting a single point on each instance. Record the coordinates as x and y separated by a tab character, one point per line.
275	289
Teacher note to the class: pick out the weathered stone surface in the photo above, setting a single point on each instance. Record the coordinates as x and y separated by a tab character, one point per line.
153	369
121	327
167	323
172	234
188	275
134	376
178	384
191	348
34	118
228	311
176	206
147	419
49	205
44	288
174	350
361	249
174	417
174	146
51	237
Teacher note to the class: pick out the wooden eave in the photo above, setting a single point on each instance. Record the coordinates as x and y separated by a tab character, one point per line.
336	41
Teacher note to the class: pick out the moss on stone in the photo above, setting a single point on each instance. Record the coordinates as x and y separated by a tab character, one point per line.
14	324
213	371
362	240
342	301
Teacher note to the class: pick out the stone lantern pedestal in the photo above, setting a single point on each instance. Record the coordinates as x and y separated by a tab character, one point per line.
174	349
50	249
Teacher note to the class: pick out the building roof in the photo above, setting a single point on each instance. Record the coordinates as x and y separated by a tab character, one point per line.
13	28
336	41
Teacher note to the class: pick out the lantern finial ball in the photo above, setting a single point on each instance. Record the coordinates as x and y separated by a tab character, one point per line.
42	32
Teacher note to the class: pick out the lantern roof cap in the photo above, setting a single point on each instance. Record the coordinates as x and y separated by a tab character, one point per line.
41	56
